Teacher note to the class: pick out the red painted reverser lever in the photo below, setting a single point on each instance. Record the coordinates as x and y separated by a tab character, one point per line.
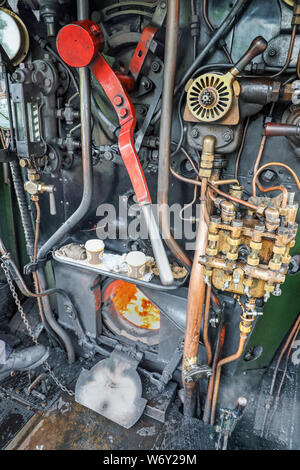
80	44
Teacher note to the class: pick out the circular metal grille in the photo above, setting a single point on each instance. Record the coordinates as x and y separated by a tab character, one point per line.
209	97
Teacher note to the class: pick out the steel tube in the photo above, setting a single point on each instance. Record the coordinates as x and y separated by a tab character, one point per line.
51	319
86	145
165	272
165	130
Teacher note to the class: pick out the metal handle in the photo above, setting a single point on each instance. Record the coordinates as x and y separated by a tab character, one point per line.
52	203
257	46
161	259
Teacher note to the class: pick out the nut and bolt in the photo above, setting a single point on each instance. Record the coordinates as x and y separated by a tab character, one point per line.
195	132
272	52
146	83
228	136
124	113
155	66
108	155
118	100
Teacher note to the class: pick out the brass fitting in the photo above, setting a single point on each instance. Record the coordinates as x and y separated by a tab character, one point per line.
296	14
228	211
279	249
207	156
234	240
255	245
227	278
236	190
272	220
213	236
35	187
246	323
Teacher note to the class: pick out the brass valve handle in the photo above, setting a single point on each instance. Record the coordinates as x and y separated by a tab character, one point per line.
257	46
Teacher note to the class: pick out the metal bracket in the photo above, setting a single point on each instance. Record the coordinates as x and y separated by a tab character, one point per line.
196	373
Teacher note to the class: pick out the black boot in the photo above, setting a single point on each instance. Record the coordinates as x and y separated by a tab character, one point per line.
25	359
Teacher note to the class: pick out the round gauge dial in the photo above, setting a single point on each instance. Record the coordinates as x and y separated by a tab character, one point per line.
13	36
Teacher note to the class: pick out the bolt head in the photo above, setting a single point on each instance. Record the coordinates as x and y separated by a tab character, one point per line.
124	113
118	100
195	132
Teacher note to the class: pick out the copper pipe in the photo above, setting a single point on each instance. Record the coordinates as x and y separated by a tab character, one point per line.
215	299
221	363
206	324
284	190
275	188
219	346
228	181
210	26
35	250
289	55
260	153
172	30
218	191
238	158
195	303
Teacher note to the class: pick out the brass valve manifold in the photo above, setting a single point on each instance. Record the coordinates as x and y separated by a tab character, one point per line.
266	265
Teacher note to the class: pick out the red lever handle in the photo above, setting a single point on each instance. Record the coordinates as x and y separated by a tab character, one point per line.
79	45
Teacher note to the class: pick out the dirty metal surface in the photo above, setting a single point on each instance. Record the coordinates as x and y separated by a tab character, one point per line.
70	426
45	393
13	416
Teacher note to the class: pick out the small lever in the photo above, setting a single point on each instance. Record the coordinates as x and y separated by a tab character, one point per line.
52	204
257	46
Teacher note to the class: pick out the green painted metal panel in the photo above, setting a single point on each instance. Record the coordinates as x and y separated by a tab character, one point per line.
278	317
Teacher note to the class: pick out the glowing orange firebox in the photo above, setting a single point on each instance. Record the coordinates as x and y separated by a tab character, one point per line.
136	307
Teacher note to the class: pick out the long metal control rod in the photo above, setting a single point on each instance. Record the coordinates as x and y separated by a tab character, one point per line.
165	130
86	145
86	141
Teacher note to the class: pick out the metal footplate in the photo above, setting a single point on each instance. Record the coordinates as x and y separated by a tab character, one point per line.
113	388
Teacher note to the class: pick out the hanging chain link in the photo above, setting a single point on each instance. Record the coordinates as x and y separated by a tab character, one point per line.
29	329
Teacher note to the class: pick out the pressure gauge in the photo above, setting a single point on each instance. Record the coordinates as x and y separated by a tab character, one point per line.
13	36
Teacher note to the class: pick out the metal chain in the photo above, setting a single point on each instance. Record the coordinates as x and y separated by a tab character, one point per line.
29	329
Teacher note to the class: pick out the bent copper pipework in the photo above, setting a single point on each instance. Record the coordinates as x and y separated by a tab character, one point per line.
221	363
289	55
165	130
216	190
206	324
255	182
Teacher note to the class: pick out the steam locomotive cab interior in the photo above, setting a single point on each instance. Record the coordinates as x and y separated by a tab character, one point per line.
150	166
